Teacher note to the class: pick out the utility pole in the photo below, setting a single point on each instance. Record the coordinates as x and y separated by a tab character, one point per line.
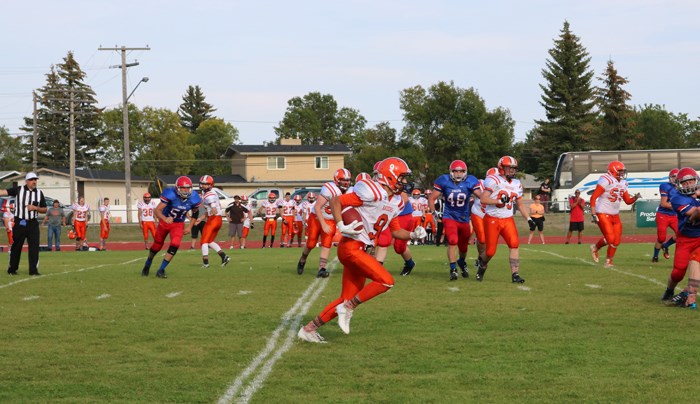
125	117
35	163
71	120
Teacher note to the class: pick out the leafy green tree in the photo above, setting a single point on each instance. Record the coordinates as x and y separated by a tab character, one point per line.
660	129
444	123
10	151
194	110
316	119
370	146
568	99
160	144
63	83
211	139
615	123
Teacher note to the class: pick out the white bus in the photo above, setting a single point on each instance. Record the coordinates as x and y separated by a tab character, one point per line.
646	170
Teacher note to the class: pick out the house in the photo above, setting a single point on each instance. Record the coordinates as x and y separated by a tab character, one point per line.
94	185
289	165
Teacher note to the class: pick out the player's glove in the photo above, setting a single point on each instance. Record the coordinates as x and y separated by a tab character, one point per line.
594	218
530	222
637	196
418	233
348	228
504	199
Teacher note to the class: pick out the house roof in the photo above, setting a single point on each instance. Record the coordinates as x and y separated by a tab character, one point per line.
286	149
218	179
83	174
7	174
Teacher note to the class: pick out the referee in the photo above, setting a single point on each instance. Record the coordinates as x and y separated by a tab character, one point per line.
29	202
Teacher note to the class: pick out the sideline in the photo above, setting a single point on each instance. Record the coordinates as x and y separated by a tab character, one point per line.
36	278
273	351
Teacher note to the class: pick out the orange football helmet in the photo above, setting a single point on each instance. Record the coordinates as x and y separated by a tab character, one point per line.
617	170
508	167
392	172
342	178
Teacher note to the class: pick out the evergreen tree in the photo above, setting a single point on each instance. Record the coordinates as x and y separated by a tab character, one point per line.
63	83
194	110
10	151
568	99
616	122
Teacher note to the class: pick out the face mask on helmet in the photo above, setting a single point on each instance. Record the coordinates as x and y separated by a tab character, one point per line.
342	178
184	187
394	173
687	181
458	170
617	170
508	167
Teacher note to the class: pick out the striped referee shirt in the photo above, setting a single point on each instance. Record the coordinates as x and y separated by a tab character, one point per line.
24	197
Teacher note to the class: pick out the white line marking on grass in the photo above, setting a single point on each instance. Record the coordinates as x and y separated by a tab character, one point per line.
613	269
453	289
245	292
593	286
525	288
36	278
30	298
273	351
173	294
103	296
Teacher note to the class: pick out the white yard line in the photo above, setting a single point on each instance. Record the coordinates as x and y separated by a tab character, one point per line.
274	349
613	269
36	278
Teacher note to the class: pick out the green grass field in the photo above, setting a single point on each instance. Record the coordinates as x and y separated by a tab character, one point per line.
91	329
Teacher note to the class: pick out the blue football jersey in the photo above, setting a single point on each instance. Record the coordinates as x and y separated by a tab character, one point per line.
456	196
666	189
681	205
176	207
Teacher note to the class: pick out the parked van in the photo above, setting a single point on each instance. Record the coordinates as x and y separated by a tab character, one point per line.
261	194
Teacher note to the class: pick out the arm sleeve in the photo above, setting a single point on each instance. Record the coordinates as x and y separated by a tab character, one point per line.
596	194
394	224
350	199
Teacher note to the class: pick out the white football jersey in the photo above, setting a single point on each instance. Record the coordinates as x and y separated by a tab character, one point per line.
80	212
211	203
418	205
288	207
270	208
105	212
299	211
377	210
328	191
477	207
147	210
609	201
500	186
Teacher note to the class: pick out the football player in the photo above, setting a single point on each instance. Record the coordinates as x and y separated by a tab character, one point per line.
605	209
321	223
501	191
378	204
212	216
147	220
456	186
174	204
687	256
666	217
269	210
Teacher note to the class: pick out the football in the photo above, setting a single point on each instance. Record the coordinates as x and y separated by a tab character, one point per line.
350	214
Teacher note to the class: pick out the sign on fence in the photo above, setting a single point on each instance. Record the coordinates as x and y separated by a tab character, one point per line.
646	213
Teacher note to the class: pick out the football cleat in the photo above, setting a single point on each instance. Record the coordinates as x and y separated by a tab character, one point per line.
517	279
463	268
407	269
161	274
205	266
300	267
666	254
311	336
594	253
608	264
323	273
679	299
668	294
225	261
480	269
453	275
654	259
344	316
144	271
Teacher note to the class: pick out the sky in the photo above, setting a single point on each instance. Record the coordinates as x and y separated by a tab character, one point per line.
251	57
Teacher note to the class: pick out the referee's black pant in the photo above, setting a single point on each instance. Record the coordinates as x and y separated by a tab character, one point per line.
29	232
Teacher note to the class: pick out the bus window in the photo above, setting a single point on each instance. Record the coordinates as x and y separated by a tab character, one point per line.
689	158
600	161
665	161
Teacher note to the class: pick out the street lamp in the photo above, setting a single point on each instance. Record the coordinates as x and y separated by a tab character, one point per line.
127	148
